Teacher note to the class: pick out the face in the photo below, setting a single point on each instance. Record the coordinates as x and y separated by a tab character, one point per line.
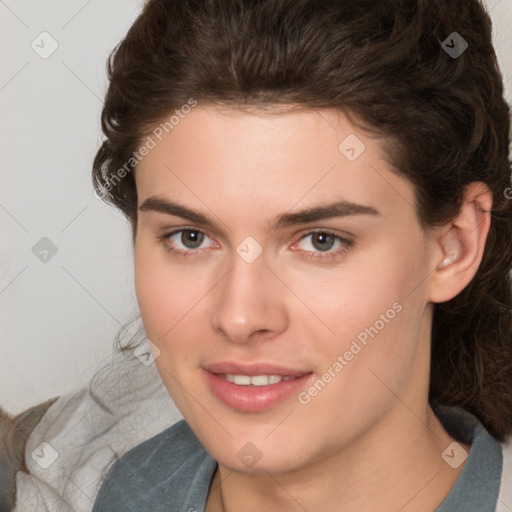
273	245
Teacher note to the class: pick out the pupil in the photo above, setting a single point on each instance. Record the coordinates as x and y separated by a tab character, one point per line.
192	239
323	241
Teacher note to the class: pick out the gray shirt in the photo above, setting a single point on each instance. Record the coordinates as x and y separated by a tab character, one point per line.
172	472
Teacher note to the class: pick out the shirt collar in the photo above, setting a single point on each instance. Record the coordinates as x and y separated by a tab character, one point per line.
478	485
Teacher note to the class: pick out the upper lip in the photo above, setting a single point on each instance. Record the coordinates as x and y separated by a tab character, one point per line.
262	368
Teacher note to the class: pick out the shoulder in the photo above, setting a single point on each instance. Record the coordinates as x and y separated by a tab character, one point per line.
154	472
171	446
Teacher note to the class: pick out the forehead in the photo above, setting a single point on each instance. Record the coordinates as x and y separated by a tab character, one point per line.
257	162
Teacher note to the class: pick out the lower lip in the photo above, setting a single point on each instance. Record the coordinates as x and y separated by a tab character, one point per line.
254	398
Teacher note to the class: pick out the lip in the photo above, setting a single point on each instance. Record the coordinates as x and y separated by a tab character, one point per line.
255	398
233	368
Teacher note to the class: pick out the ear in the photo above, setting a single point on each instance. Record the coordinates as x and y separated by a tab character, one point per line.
458	246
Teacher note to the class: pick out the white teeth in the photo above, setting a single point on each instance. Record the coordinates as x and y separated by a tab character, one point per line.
256	380
263	380
242	380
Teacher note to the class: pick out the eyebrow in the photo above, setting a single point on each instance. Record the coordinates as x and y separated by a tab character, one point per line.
313	214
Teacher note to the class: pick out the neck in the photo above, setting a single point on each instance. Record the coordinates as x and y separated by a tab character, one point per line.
399	460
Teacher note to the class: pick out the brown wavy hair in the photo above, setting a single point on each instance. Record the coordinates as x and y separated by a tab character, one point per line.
384	63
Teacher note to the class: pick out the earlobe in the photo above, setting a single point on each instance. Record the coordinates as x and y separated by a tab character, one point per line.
462	245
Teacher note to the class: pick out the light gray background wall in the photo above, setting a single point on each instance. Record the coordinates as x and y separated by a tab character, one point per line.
59	316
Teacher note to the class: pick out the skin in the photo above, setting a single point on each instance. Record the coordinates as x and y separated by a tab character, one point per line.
371	427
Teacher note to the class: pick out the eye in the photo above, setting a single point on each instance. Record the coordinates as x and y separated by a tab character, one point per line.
185	241
323	245
188	238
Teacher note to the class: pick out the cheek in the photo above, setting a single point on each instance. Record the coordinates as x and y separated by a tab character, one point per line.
384	308
369	317
352	296
168	300
164	293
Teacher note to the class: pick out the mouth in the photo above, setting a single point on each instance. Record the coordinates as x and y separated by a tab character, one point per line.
254	389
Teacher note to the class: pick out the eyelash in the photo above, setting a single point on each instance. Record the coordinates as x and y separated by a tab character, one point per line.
311	255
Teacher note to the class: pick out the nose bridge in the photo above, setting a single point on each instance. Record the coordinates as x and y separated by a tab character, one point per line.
248	300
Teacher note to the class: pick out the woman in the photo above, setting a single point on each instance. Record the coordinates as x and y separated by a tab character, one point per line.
322	226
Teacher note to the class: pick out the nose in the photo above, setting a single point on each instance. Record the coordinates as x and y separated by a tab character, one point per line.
249	302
